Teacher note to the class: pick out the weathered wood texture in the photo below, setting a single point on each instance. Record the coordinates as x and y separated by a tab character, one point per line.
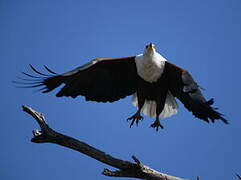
125	168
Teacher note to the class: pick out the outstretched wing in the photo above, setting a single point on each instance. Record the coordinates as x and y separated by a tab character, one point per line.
183	87
101	80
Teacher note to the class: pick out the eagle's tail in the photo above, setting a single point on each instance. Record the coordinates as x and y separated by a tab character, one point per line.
149	107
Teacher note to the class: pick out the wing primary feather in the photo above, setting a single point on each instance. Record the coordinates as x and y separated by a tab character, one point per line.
210	102
38	71
38	85
31	80
41	90
49	70
26	83
37	77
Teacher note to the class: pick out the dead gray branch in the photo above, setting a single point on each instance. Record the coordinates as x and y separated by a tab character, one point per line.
124	168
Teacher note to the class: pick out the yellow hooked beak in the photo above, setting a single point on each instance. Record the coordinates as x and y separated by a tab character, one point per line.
150	46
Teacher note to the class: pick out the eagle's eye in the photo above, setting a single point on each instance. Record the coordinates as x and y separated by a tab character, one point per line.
146	46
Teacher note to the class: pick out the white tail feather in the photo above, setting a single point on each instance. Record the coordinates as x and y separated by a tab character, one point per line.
149	107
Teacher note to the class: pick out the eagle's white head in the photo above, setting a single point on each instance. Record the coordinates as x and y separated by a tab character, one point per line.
150	49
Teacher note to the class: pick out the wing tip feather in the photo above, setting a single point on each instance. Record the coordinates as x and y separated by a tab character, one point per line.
47	81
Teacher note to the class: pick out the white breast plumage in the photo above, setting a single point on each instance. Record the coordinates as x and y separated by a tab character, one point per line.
151	67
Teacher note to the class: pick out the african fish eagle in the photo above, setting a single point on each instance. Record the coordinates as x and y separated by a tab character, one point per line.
153	82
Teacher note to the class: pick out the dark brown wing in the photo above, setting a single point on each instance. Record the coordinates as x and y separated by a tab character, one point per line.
183	87
101	80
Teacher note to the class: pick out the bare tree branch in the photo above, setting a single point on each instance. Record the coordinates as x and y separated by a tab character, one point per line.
239	177
125	168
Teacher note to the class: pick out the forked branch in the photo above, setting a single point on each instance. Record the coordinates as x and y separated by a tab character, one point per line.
124	168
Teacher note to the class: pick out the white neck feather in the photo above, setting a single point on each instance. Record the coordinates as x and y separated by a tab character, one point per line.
150	65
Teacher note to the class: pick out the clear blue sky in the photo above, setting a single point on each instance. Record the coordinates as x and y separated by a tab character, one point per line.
201	36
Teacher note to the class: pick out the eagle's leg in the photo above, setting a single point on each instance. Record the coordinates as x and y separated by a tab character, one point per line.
159	107
157	124
137	116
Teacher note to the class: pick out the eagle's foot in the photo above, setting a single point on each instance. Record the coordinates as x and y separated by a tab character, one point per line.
135	118
156	125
